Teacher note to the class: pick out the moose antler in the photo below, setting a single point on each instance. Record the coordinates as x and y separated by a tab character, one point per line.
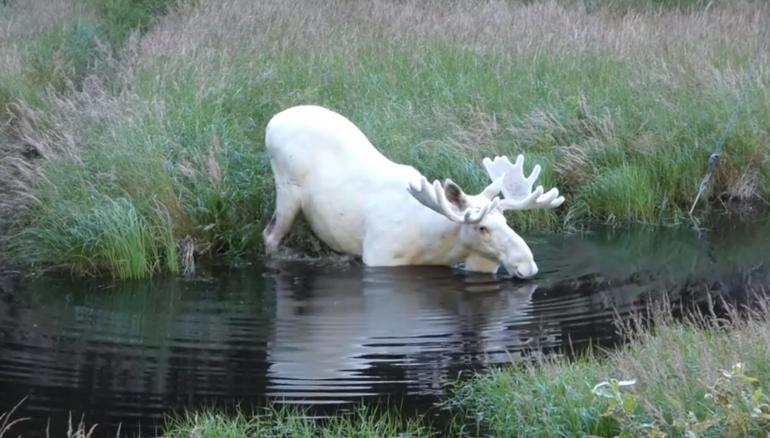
434	197
517	189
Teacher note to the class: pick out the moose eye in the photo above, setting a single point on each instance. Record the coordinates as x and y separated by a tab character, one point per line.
483	230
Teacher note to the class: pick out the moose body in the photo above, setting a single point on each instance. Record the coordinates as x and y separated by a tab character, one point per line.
359	202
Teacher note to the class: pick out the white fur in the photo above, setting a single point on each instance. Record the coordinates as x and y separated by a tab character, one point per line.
356	201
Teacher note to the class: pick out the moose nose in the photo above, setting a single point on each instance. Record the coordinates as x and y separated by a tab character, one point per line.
525	272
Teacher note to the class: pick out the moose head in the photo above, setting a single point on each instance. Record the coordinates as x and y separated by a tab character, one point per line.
483	227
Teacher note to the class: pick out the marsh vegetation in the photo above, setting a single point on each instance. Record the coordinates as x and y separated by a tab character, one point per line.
130	127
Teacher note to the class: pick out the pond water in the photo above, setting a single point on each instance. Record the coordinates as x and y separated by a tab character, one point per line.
330	333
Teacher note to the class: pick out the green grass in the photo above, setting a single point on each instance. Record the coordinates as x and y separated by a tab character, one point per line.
294	422
101	235
121	17
63	56
687	382
621	112
535	403
49	51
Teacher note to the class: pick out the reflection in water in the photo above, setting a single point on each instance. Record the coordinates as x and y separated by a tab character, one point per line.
132	352
331	327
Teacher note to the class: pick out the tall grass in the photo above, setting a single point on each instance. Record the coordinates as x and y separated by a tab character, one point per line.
104	235
49	50
54	45
621	103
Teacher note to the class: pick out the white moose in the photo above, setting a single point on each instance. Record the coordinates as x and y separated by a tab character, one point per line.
359	202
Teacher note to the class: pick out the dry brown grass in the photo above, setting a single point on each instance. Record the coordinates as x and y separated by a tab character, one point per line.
22	19
236	28
668	49
214	41
19	22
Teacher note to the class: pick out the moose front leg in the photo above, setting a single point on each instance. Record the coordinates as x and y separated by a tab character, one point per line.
478	263
287	205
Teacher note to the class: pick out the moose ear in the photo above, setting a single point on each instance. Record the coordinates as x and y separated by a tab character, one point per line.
455	195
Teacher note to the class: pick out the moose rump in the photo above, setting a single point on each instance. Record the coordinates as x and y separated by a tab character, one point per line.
325	168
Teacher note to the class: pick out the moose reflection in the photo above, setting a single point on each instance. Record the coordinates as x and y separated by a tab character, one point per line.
316	332
335	326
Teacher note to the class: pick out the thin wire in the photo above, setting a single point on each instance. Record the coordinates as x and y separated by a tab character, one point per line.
717	154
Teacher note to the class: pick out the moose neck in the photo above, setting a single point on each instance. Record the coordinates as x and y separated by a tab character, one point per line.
443	244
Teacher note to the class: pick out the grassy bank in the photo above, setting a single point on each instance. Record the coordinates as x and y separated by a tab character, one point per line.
115	155
704	378
701	378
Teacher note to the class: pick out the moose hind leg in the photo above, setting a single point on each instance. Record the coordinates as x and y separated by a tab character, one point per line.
287	205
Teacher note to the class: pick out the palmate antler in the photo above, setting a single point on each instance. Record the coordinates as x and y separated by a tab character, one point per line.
434	197
516	188
506	177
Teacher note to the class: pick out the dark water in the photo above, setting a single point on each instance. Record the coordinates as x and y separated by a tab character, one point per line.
324	334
